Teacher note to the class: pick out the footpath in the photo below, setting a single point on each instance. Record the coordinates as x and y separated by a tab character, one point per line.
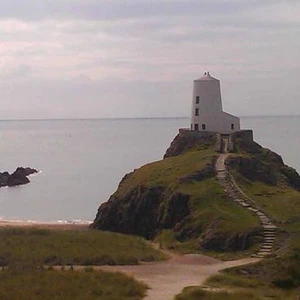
235	193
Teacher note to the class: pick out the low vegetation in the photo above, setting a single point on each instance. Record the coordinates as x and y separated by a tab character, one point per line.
198	293
91	247
27	257
68	285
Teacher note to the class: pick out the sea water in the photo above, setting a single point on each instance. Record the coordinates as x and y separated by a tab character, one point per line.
82	161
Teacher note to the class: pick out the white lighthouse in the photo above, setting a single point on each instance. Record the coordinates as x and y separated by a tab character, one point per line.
207	111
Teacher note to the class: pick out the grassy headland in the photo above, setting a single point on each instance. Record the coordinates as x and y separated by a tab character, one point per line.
179	202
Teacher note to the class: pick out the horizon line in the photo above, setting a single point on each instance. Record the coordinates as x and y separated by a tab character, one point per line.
136	118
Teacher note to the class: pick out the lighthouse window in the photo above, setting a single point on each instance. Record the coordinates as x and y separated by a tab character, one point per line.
197	112
232	126
203	126
196	126
197	100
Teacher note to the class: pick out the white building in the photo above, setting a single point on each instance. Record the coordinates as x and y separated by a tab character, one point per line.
207	111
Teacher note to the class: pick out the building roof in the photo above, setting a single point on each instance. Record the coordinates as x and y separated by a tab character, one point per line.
206	77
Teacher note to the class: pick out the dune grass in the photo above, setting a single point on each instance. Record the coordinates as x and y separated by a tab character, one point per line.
236	293
58	247
195	293
68	285
229	280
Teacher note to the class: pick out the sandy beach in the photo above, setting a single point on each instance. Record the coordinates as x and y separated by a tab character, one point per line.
45	225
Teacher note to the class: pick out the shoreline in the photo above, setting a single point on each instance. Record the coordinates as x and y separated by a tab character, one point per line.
61	225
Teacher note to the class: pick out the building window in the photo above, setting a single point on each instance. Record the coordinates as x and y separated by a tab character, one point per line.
232	126
196	126
197	100
203	126
197	112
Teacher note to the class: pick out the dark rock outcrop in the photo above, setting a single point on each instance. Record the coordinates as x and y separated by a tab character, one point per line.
254	169
187	140
292	176
18	177
265	166
207	172
141	211
222	241
243	141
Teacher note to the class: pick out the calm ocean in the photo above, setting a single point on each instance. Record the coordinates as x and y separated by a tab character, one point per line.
82	161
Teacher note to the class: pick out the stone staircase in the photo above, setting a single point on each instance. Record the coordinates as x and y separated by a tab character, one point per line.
235	193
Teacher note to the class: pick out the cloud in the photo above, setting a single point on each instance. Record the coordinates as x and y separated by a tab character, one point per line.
118	9
80	50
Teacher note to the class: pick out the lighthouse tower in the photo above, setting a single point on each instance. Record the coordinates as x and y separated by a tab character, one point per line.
207	111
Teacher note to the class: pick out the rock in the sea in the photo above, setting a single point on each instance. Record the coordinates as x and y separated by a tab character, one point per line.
4	179
18	177
24	171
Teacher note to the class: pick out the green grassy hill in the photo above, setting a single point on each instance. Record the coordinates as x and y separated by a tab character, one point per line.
179	202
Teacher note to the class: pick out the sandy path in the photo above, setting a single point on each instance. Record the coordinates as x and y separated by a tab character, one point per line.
166	279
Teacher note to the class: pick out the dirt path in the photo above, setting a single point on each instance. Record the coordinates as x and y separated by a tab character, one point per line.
167	279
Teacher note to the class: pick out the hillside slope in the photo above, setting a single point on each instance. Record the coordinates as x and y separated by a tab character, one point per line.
180	200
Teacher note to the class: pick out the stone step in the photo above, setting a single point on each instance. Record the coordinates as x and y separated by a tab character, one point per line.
267	221
269	231
263	217
264	253
254	209
260	255
269	241
269	237
270	227
261	213
264	247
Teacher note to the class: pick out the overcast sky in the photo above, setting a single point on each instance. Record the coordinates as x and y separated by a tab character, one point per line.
138	58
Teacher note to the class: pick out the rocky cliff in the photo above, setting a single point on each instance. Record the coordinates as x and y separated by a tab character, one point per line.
256	163
180	194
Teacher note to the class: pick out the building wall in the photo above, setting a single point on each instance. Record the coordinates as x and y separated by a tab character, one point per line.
216	122
207	112
209	94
